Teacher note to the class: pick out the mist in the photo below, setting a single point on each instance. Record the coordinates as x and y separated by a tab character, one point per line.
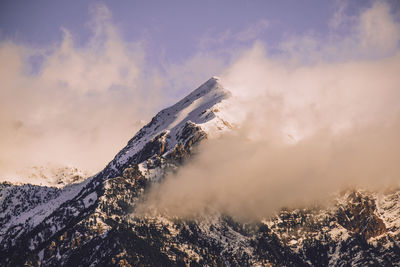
70	104
312	124
77	102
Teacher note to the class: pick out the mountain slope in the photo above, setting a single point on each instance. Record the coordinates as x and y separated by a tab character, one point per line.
92	223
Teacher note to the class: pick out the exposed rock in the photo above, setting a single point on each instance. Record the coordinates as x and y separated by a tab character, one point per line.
157	146
358	215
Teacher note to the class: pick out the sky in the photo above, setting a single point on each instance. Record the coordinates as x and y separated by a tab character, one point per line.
81	77
173	32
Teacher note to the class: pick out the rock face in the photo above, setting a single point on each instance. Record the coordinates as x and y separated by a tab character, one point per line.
93	223
358	216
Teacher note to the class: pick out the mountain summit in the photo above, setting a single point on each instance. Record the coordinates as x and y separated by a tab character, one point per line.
92	223
169	127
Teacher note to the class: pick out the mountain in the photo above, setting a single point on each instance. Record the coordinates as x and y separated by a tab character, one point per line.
92	223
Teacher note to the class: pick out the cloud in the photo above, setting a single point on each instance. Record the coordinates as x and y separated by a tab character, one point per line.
373	33
326	94
311	128
72	104
251	180
378	30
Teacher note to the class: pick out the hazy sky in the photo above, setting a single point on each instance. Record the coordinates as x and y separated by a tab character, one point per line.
80	77
176	28
174	31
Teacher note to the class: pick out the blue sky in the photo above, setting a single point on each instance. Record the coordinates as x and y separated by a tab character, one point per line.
173	24
175	30
85	75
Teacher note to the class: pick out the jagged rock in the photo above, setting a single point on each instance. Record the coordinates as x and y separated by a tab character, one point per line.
358	215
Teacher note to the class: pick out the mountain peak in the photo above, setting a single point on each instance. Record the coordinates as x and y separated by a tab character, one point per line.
212	84
198	109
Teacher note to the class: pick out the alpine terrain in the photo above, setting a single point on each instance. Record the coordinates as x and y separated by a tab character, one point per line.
93	222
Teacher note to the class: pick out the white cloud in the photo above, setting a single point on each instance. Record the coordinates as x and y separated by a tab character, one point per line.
311	129
374	33
378	30
79	105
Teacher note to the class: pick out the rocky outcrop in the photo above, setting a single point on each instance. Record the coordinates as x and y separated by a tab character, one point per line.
191	134
358	214
156	147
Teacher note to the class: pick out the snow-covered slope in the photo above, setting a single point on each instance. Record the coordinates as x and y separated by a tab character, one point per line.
92	223
199	108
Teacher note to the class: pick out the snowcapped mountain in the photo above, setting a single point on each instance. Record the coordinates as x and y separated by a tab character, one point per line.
92	223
